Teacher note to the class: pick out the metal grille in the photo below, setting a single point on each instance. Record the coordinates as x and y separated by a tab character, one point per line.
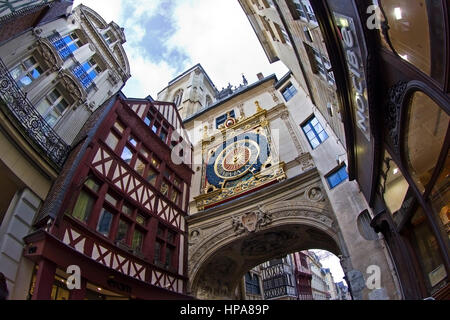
29	119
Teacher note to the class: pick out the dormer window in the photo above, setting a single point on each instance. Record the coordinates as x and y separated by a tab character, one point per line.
109	37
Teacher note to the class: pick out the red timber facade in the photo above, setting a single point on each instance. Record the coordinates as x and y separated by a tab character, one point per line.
118	209
303	276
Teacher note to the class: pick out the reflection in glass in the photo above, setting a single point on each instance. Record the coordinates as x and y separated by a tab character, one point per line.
440	198
416	31
104	223
126	155
122	231
394	184
427	126
426	246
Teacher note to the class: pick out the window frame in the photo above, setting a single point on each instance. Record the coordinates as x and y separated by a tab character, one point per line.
308	122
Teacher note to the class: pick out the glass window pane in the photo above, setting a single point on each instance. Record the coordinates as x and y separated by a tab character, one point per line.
111	199
315	143
141	219
311	135
427	248
440	198
314	121
427	126
164	188
169	255
174	196
395	185
132	141
126	155
104	223
122	231
83	206
112	140
417	32
323	136
29	62
24	81
127	209
119	127
151	176
139	166
138	237
91	184
157	253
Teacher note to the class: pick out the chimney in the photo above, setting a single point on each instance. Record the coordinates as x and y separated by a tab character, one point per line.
260	76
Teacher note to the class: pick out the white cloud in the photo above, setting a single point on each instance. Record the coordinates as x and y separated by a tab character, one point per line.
215	33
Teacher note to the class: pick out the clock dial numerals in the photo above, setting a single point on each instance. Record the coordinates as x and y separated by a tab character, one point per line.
237	159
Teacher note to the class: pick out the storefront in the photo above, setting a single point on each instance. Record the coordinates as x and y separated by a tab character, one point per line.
392	64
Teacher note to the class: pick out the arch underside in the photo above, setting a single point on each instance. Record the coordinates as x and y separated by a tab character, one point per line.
216	273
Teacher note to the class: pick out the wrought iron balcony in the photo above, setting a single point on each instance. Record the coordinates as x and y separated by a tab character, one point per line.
30	121
60	45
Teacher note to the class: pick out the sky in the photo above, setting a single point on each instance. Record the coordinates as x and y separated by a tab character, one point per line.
167	37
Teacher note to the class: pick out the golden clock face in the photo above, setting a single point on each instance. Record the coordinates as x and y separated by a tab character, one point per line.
236	159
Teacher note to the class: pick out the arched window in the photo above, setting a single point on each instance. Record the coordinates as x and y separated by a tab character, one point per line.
426	128
177	97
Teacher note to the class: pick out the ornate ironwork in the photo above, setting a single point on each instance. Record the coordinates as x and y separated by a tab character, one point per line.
394	105
30	120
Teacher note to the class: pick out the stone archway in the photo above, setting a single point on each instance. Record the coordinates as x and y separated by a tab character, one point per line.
222	251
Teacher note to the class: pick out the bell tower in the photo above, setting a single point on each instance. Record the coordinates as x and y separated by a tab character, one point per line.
191	91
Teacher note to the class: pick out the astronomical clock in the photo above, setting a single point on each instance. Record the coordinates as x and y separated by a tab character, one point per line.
238	160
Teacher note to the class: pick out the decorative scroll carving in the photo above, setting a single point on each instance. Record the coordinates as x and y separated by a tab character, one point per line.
49	55
252	221
72	86
306	161
394	105
30	121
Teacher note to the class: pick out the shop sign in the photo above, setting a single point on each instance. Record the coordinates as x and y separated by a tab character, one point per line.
355	66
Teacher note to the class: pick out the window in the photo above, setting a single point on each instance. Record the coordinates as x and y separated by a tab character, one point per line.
122	231
86	73
108	36
52	107
83	206
26	72
252	284
320	64
112	140
220	120
127	155
417	32
336	178
104	223
65	45
282	34
426	129
165	247
138	238
394	186
314	132
288	92
177	98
